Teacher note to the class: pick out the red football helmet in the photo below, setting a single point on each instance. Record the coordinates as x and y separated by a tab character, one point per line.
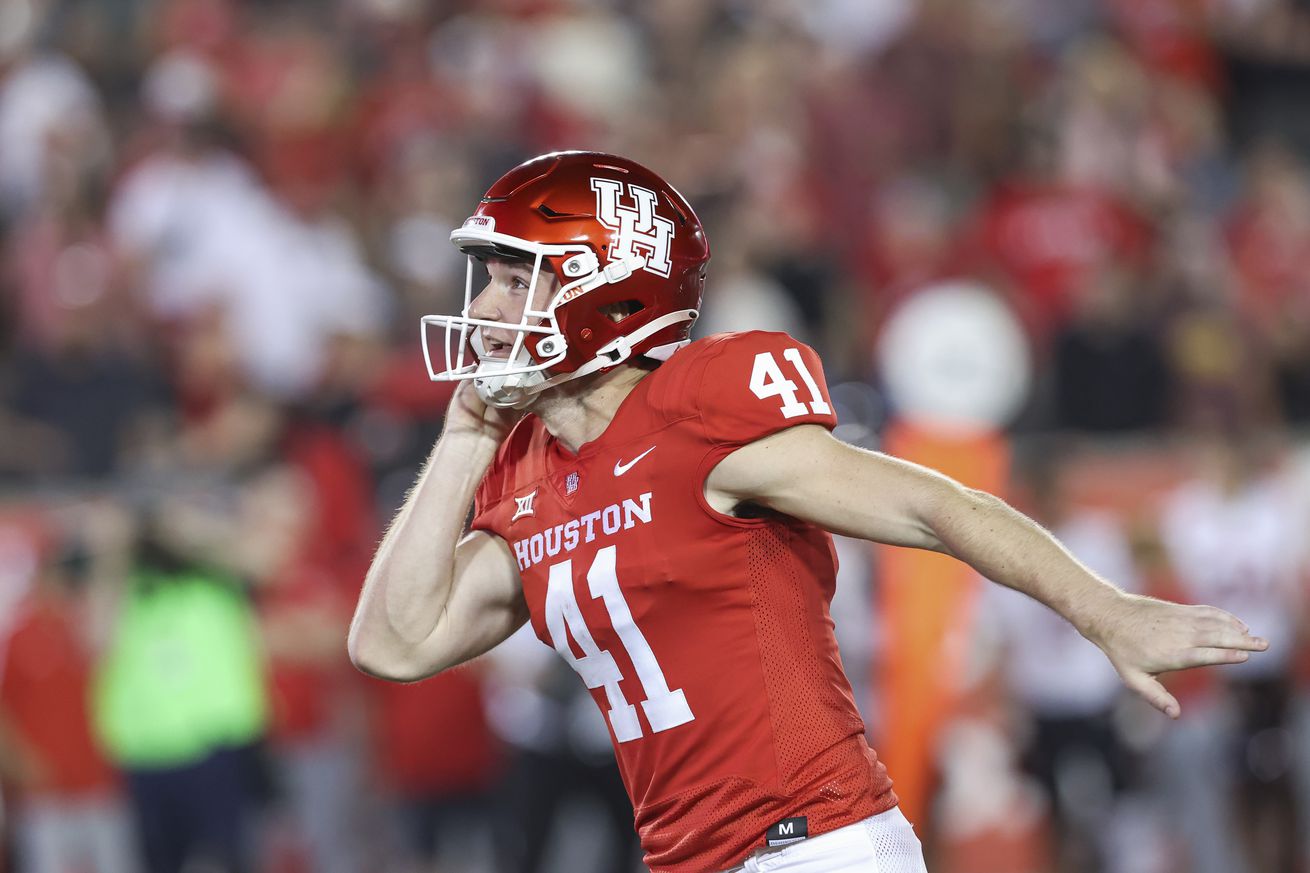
628	251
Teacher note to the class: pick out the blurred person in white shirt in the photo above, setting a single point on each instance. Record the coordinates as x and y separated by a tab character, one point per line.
206	235
1235	535
561	772
49	111
1073	746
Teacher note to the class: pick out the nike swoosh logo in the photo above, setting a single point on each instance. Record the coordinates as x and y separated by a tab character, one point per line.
620	468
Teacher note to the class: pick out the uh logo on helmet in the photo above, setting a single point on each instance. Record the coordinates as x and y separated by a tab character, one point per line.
628	251
635	228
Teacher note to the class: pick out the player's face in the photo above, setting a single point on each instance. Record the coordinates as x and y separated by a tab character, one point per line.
507	290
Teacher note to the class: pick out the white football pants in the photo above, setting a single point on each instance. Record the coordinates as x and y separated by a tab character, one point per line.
884	843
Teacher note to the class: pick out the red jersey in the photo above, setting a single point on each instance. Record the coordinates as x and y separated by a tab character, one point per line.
705	639
44	690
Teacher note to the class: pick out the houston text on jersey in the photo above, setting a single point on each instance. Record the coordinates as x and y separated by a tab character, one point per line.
566	537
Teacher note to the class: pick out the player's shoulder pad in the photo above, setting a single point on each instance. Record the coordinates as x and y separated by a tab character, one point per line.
744	386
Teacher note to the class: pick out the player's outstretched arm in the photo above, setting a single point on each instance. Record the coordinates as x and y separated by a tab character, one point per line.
432	599
806	473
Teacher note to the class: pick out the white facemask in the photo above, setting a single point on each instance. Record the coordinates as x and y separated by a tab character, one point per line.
511	382
496	387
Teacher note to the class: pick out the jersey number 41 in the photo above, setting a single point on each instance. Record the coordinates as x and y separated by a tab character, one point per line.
664	708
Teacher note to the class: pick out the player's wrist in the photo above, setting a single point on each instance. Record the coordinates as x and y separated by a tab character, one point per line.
1099	612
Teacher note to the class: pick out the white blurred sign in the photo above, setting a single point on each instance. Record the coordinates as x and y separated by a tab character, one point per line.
954	358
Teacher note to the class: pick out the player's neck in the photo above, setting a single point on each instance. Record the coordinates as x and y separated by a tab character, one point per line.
578	412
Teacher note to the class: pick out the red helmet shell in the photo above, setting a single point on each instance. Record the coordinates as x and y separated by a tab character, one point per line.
619	210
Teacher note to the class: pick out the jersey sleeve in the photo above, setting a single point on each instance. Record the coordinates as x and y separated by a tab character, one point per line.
757	383
502	477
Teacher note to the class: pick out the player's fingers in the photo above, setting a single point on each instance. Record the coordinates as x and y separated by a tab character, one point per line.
1249	643
1209	611
1232	639
1153	693
1211	619
1226	618
1208	656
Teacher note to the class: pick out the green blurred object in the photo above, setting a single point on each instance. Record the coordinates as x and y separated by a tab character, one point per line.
183	675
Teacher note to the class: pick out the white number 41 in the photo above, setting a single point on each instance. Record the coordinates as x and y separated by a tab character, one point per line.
768	381
664	708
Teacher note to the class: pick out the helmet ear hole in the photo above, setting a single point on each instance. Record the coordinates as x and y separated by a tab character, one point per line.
622	310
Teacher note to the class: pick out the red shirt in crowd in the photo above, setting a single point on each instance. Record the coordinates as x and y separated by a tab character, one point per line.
432	737
45	692
1049	239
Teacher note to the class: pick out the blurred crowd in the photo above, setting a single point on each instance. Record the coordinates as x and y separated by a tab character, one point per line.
220	223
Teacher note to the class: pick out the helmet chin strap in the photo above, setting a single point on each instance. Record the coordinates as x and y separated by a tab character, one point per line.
517	390
620	349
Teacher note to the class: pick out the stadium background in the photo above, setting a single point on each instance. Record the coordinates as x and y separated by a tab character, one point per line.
222	220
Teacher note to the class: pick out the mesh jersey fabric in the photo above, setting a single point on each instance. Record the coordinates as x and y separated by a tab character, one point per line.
705	639
895	845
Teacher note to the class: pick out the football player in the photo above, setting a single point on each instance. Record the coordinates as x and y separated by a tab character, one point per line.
660	511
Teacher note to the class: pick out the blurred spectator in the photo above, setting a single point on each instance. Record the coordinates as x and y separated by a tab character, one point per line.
77	403
439	762
22	538
1235	537
1050	235
181	702
186	189
69	812
51	118
316	731
1218	368
1291	349
1268	64
912	242
78	381
1109	368
420	185
1269	236
561	756
989	814
1069	691
283	278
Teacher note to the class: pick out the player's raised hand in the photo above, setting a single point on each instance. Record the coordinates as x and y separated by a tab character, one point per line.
469	414
1144	637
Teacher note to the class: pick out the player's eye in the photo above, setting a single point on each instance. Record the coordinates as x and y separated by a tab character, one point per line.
518	284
